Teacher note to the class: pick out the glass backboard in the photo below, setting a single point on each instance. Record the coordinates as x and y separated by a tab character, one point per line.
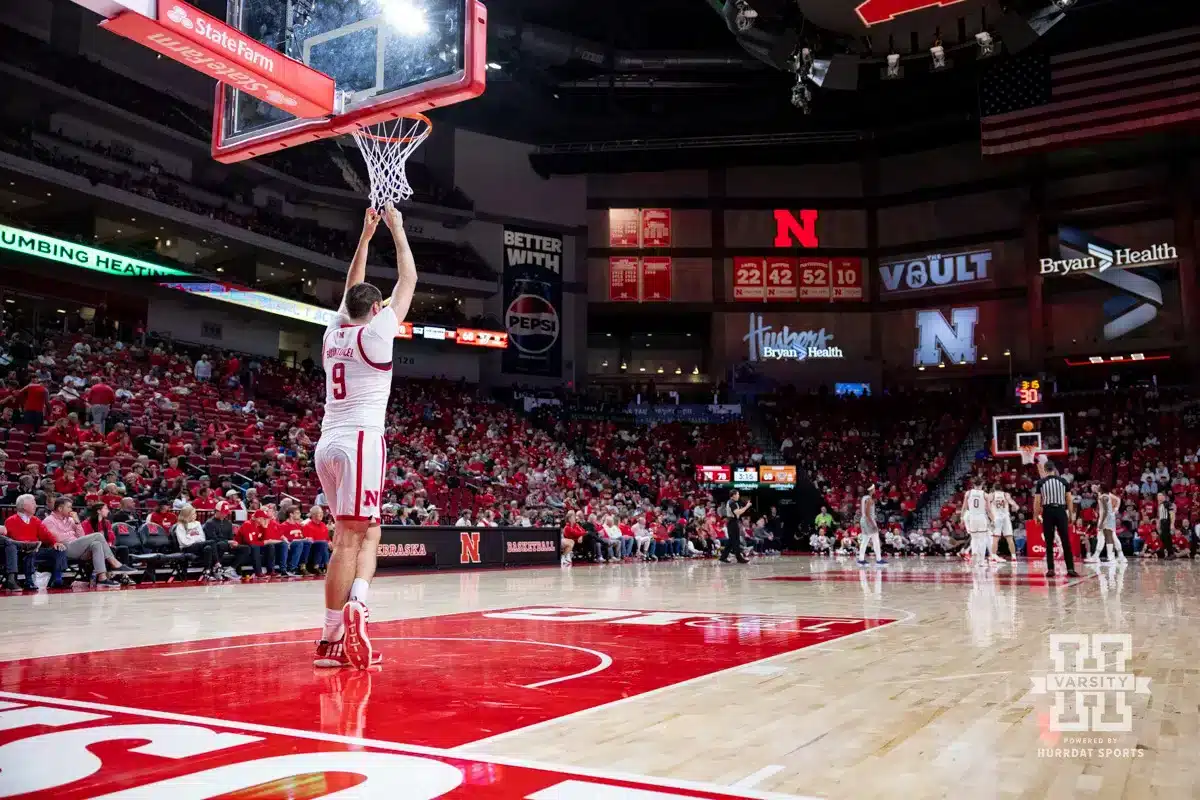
1046	432
386	57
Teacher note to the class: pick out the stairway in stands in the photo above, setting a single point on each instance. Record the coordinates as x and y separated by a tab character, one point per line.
958	467
753	415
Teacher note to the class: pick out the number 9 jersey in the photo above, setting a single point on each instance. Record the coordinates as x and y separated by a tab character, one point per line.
351	456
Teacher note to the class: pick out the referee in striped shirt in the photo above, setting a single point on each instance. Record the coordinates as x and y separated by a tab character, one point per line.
1053	507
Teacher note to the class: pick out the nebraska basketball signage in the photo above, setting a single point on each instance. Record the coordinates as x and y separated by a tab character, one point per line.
935	272
796	229
768	344
532	297
938	339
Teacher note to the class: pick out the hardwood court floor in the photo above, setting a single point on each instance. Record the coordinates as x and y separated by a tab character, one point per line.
790	676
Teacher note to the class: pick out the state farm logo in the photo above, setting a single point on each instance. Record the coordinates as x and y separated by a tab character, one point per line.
180	17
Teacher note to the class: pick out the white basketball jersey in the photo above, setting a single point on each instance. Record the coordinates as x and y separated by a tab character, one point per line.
975	503
1108	511
358	373
866	514
999	504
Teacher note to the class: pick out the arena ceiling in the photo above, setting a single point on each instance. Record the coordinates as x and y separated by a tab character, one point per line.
573	72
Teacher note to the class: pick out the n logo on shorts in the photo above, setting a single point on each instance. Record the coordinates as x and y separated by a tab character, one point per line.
370	499
470	548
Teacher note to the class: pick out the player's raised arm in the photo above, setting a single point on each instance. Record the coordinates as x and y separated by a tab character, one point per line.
406	266
358	264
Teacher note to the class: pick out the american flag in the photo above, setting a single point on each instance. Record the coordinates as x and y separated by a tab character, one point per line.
1040	102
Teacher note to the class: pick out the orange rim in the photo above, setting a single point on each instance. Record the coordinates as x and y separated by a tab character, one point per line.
416	116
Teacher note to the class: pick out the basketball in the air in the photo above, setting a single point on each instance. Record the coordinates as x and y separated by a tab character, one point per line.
1027	426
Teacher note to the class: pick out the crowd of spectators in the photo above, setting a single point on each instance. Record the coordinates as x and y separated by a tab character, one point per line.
900	441
154	184
191	441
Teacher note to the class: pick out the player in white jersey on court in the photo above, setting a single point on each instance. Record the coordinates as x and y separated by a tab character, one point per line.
977	519
1107	506
868	527
1002	506
351	456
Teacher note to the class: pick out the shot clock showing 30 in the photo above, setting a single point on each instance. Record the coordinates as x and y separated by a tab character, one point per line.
1029	392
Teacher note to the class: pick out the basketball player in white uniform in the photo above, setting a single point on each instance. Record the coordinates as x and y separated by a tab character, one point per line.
1002	506
351	456
868	527
1107	506
977	519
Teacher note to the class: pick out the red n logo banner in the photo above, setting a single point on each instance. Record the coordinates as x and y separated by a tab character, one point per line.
470	548
370	498
789	230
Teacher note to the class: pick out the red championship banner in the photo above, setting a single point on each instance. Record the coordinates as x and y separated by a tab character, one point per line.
749	279
656	279
624	225
814	278
847	276
656	227
623	279
781	279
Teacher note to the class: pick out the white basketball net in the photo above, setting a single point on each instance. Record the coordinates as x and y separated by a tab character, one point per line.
385	147
1028	454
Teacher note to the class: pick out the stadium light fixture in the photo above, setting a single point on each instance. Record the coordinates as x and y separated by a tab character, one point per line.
983	357
745	16
939	56
987	45
892	71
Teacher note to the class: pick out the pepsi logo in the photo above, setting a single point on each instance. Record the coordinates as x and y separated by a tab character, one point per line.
532	324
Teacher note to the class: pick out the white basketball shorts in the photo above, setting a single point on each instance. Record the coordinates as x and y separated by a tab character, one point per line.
976	523
351	465
1002	526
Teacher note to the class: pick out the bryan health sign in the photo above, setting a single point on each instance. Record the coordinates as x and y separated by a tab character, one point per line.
533	265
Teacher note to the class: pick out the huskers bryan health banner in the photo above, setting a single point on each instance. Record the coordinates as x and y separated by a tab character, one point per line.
533	264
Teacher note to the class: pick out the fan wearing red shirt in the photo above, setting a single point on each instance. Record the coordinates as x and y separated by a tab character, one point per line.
205	500
99	397
34	398
293	546
27	532
316	530
163	516
172	471
253	547
67	481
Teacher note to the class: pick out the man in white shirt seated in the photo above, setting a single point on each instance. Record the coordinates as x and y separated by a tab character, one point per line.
464	519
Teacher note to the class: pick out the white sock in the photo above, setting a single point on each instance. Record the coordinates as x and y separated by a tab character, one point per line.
358	591
331	631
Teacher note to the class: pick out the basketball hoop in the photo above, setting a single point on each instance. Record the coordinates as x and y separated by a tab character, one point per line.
1028	453
385	147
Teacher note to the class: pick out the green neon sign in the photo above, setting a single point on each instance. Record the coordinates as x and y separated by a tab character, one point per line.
79	255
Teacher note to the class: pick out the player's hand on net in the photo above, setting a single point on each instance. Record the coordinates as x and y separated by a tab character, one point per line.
370	222
392	219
